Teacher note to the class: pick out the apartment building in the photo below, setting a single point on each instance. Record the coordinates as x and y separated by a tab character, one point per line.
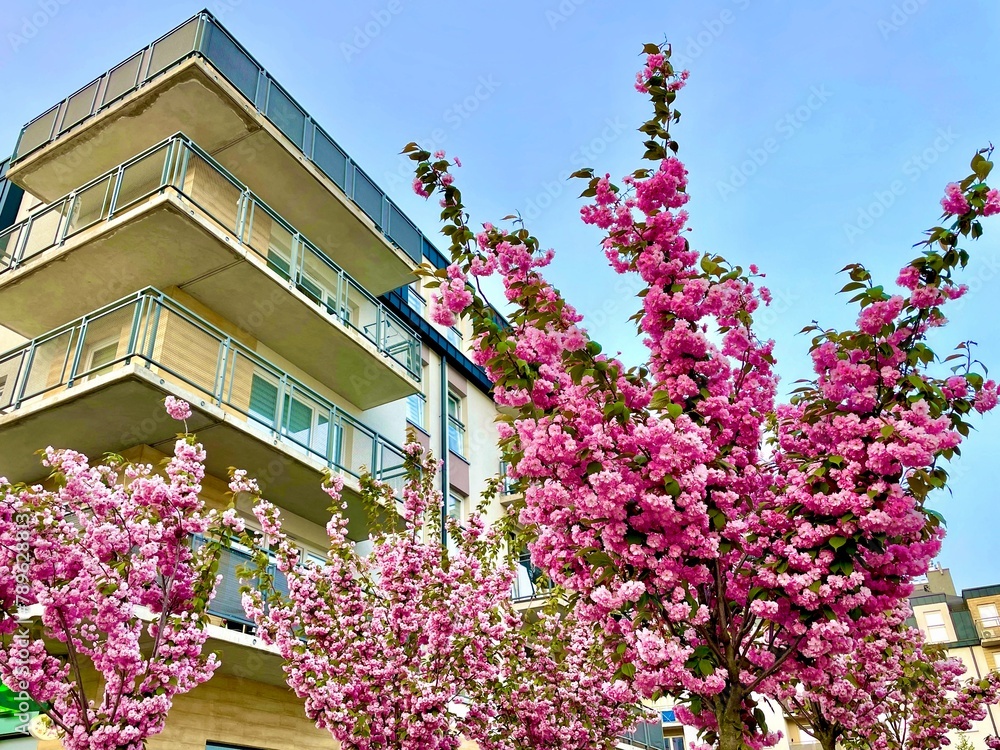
182	226
968	625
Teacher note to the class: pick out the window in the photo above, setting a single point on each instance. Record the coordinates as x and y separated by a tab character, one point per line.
312	558
936	630
100	356
3	386
310	428
456	506
676	743
988	615
456	428
263	400
279	264
456	510
414	300
455	337
416	410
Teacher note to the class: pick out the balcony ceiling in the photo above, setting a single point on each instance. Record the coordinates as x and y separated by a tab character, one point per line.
195	99
165	241
125	408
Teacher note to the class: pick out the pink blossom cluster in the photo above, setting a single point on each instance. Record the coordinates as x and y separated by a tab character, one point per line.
730	543
891	692
416	645
104	560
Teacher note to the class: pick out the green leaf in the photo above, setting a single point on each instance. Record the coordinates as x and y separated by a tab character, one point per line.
936	516
837	542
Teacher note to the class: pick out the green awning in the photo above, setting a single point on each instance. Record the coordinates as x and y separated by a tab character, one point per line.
10	703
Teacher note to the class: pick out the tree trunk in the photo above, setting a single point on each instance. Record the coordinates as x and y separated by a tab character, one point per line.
731	727
827	740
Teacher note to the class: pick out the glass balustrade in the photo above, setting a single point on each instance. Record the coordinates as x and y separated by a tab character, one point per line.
173	342
204	37
179	164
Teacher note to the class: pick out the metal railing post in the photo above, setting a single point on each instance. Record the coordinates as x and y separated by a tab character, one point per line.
67	211
379	327
139	303
78	353
114	193
279	407
220	370
241	216
168	163
17	257
27	374
154	330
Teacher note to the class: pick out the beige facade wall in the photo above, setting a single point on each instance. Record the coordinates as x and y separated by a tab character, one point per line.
236	711
240	712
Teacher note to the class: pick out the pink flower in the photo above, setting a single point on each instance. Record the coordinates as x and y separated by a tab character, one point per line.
986	399
177	409
954	201
232	520
909	277
419	189
992	204
878	314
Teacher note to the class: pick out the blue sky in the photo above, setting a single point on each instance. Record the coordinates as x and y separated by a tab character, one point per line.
816	134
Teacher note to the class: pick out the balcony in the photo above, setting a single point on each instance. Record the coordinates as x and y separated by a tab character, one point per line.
173	216
510	489
530	585
199	80
97	385
647	735
988	629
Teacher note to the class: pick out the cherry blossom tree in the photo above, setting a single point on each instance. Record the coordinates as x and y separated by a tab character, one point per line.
892	692
103	597
416	645
556	691
725	541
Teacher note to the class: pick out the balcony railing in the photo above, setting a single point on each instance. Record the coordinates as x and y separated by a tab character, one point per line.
648	734
179	164
529	583
204	37
508	486
172	341
988	628
228	601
